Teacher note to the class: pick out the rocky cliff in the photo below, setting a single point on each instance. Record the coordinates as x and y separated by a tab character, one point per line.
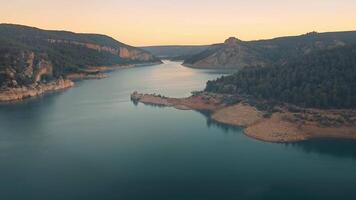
20	68
234	53
122	52
27	74
33	90
34	61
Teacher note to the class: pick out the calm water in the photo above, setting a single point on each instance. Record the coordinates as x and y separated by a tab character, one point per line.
91	142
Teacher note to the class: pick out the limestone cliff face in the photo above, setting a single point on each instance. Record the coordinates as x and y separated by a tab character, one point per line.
24	68
25	74
134	54
43	68
28	75
28	71
123	52
232	42
234	53
33	90
33	61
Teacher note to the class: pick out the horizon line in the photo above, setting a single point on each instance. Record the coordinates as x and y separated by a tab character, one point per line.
178	45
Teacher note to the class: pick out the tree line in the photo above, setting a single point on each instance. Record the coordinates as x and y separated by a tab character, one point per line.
322	79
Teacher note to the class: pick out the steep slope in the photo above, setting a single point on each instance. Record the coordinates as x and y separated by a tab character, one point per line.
29	55
322	79
235	53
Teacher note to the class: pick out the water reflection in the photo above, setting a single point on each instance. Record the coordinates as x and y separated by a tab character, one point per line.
23	128
340	148
206	113
224	127
220	72
334	147
90	142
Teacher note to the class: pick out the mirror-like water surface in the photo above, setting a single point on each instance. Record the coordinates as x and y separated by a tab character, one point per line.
91	142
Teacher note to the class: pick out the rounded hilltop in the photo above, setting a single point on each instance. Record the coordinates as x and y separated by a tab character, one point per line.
232	41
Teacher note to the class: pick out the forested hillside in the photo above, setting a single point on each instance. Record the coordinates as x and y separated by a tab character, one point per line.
235	53
322	79
29	54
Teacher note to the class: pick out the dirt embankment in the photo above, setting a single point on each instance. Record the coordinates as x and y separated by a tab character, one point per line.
282	125
195	102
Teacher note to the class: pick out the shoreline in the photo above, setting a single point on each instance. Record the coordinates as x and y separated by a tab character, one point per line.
15	94
34	90
99	72
281	126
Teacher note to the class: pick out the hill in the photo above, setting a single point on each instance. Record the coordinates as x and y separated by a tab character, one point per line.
177	52
321	79
29	55
234	53
308	97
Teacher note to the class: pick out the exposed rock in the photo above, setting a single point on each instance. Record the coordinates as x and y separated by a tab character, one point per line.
123	52
20	93
234	53
32	59
44	67
232	41
281	126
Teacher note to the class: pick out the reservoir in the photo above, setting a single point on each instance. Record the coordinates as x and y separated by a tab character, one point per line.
91	142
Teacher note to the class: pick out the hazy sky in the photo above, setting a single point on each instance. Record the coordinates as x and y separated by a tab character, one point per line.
156	22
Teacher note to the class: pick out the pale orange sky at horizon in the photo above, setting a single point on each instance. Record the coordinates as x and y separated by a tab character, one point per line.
183	22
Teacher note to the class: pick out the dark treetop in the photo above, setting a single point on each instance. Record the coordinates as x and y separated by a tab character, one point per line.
322	79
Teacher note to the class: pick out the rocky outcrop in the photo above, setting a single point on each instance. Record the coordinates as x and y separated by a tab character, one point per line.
234	53
33	90
28	75
34	61
44	68
122	52
232	42
24	68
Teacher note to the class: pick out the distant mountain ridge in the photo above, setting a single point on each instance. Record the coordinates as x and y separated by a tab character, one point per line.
234	53
175	52
29	55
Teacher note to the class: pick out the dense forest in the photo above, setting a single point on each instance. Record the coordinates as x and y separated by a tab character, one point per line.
322	79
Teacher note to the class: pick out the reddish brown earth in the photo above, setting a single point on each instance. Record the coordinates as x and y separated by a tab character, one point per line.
281	126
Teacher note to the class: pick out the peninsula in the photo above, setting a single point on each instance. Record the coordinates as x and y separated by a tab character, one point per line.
310	96
279	123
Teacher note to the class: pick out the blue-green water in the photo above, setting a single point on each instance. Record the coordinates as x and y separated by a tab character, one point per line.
91	143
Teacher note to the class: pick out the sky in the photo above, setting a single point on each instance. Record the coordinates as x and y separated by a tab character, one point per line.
182	22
